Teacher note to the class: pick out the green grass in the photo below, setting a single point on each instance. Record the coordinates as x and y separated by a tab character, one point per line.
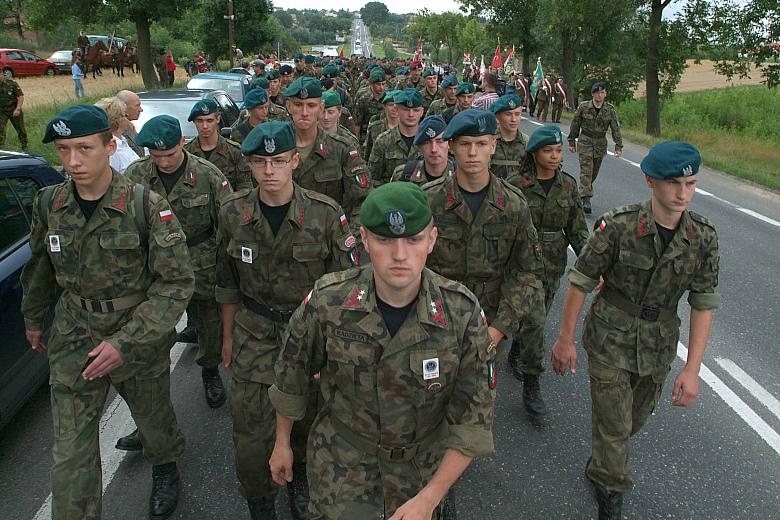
737	129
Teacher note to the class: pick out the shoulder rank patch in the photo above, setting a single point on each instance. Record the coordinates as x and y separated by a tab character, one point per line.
357	300
437	314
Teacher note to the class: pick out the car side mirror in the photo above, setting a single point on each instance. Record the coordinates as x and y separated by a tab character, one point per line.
225	131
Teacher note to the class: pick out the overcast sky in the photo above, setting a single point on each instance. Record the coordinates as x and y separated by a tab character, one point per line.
395	6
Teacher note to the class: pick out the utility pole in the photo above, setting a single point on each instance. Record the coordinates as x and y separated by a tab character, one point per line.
230	18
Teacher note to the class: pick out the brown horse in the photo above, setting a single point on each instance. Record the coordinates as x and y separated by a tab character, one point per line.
98	56
130	54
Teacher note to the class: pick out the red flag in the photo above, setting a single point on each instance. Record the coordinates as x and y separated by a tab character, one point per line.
497	61
418	51
509	56
341	53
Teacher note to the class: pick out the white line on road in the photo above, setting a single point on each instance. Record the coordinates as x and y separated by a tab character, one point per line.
735	403
750	384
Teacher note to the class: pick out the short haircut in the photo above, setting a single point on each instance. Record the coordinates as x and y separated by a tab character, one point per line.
115	109
491	79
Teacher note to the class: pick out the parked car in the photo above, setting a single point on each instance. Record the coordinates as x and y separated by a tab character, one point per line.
234	84
240	70
179	103
62	59
118	41
22	370
18	62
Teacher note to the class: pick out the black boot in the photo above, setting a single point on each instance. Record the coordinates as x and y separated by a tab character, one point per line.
130	442
298	493
513	359
586	205
188	335
261	508
165	491
212	384
610	504
532	395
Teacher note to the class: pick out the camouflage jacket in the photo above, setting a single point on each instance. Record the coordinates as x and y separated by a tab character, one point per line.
195	200
276	271
305	71
106	258
591	126
9	94
496	255
242	127
641	281
389	151
382	386
417	174
450	112
408	83
346	120
347	135
558	218
429	98
508	156
438	106
376	127
365	108
228	159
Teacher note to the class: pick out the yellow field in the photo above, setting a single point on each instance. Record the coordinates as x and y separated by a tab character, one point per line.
702	76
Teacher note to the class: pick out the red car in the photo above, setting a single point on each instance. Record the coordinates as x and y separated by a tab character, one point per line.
18	62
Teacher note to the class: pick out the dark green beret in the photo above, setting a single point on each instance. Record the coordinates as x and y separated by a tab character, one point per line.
377	75
261	82
160	133
671	159
331	99
389	96
308	59
269	138
272	74
203	107
465	88
409	98
255	97
428	72
471	122
330	71
598	87
76	121
400	70
298	56
285	69
548	134
506	102
429	128
304	87
449	81
395	210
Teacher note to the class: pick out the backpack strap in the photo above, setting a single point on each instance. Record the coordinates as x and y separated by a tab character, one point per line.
44	203
141	206
409	168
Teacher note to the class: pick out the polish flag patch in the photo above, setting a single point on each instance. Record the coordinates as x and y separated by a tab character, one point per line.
343	220
166	215
225	184
354	154
602	225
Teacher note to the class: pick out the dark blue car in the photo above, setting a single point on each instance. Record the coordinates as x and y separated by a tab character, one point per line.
22	370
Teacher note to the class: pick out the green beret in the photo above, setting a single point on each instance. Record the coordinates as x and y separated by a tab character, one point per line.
429	128
160	133
548	134
598	87
331	99
465	88
76	121
400	70
298	56
272	74
269	138
409	98
395	210
506	102
308	59
330	71
304	87
389	96
449	81
261	82
377	75
255	97
671	159
471	122
428	72
203	107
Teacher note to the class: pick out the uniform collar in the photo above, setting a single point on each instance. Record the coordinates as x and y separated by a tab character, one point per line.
251	212
496	195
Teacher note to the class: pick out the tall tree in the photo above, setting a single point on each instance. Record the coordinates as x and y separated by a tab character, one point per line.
252	30
375	13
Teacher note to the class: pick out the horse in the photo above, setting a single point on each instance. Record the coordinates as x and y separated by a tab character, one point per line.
98	56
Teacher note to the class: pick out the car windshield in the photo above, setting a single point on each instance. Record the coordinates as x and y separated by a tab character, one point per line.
180	109
230	86
61	55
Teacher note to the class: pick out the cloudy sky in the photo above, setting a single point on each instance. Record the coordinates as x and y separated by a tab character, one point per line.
395	6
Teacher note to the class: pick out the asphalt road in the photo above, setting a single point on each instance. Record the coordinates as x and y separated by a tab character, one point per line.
359	30
718	460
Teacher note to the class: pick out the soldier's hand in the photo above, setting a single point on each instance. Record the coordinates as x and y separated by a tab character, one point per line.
573	149
686	388
281	463
227	353
496	335
17	112
106	359
618	153
34	339
416	508
564	356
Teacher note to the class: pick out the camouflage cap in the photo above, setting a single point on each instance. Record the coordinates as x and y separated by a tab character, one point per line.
269	138
76	121
396	210
409	98
203	107
429	128
304	87
255	97
331	99
506	102
160	133
548	134
272	74
377	75
671	159
465	88
261	82
471	122
428	72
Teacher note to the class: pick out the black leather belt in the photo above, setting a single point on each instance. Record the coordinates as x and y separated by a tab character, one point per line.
265	311
199	237
113	305
593	135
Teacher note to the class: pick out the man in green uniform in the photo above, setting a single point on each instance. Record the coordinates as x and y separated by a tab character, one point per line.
256	105
381	122
487	240
559	100
647	255
394	147
430	91
370	104
464	95
449	86
588	133
275	242
435	162
510	145
120	257
301	66
331	118
413	79
557	214
275	87
11	101
286	74
407	374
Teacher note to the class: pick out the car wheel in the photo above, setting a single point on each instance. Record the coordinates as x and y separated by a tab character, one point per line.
50	71
8	73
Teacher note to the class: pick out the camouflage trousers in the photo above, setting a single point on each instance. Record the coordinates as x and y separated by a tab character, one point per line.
528	342
557	110
18	123
76	410
541	109
622	401
205	315
591	153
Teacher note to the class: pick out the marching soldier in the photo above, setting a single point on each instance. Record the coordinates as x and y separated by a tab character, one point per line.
435	163
394	147
331	118
369	105
275	87
430	91
11	101
510	145
464	95
559	100
381	122
257	107
448	87
543	95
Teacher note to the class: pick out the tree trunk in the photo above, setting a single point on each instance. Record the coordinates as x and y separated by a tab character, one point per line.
145	60
18	19
652	85
567	59
525	43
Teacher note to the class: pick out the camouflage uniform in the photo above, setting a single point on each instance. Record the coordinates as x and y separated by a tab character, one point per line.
542	104
241	127
408	83
104	263
418	175
306	71
228	159
365	108
376	127
591	125
560	221
389	152
438	106
347	121
450	112
496	255
195	200
384	427
508	156
9	96
631	330
558	102
282	269
429	98
347	135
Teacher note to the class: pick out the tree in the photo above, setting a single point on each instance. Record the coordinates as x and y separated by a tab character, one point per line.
285	19
251	27
375	13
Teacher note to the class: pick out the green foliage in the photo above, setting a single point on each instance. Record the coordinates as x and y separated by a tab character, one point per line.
375	13
251	30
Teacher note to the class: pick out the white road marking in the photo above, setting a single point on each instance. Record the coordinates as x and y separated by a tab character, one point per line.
734	402
750	384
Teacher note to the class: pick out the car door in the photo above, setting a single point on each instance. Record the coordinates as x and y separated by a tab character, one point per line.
35	65
17	63
228	108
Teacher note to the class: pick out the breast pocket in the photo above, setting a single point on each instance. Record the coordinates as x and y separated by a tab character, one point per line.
634	268
352	366
62	249
310	259
449	247
123	253
499	238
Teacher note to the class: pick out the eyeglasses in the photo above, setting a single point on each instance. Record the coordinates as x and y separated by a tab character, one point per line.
275	163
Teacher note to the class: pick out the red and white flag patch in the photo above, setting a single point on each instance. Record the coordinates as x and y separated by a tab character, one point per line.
166	215
225	184
343	220
602	225
354	154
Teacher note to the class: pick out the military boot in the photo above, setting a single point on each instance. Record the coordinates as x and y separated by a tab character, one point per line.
298	493
261	508
610	504
586	205
165	491
212	384
188	335
513	359
130	442
532	395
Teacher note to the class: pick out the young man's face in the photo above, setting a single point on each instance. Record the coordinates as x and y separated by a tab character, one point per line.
207	125
330	118
673	194
409	117
378	88
600	96
274	174
259	114
473	153
549	157
430	82
391	110
85	158
304	112
434	151
509	120
273	86
449	94
465	100
414	74
168	160
398	262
